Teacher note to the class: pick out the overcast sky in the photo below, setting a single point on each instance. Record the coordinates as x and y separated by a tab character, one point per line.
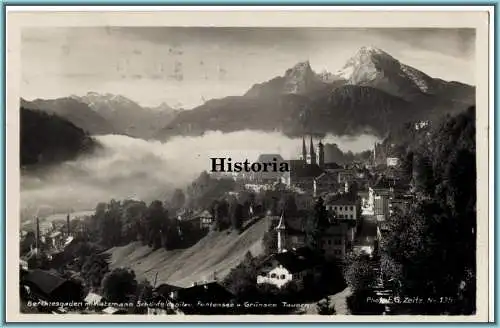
183	66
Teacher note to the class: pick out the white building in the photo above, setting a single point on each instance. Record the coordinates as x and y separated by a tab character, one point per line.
296	266
392	161
343	207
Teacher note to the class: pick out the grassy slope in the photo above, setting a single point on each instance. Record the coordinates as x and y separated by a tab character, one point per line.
218	251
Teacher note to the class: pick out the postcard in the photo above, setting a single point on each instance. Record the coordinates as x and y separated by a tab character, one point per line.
282	164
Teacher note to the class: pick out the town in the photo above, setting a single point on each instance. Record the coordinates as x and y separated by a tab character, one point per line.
341	237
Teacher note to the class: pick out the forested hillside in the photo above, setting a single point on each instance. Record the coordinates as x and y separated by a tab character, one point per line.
48	139
430	251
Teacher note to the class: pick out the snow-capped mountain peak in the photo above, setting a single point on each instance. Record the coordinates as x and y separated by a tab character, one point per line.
372	50
373	66
111	101
365	65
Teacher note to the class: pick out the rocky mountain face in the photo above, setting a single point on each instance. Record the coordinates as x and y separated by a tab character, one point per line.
372	92
374	67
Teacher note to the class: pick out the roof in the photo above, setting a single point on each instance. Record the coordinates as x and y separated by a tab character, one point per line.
281	225
46	281
298	169
166	289
363	193
382	183
295	260
212	291
93	298
327	174
341	199
69	240
55	234
205	214
30	254
110	310
332	166
265	158
292	224
306	171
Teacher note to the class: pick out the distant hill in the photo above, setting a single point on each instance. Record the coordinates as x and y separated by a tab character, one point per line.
219	252
74	111
373	92
49	139
127	116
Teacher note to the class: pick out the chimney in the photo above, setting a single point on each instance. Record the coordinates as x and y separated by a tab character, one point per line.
67	225
37	234
304	151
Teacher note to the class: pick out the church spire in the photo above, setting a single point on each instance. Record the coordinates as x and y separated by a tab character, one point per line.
281	229
312	152
304	150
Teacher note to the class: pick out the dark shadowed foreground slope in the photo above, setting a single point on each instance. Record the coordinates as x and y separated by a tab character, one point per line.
50	139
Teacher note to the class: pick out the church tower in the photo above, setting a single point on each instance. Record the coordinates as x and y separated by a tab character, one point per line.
313	153
321	155
304	150
281	230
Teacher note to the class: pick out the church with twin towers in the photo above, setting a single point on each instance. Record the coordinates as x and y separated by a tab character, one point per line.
314	156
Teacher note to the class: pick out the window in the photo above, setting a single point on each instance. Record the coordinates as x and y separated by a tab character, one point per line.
352	216
352	208
335	208
282	276
273	275
345	208
329	241
338	242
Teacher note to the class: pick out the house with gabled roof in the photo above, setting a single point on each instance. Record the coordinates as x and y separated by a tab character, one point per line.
297	265
163	300
335	239
49	286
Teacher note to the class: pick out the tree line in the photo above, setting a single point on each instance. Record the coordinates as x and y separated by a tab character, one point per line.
429	251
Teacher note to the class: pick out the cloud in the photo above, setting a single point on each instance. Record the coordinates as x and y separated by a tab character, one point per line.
147	170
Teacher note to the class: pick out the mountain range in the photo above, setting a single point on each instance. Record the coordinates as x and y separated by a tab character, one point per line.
372	93
127	116
106	114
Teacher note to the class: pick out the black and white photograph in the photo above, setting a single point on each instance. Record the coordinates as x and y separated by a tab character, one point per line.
310	171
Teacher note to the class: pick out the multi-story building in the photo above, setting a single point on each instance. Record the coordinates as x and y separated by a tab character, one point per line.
380	194
346	176
381	207
344	206
335	240
387	194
